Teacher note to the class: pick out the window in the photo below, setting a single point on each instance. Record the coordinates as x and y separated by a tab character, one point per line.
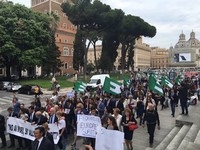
66	51
65	41
64	1
65	66
64	25
64	14
56	12
72	51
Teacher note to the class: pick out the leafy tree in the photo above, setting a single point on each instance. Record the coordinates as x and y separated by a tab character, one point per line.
78	60
51	62
90	67
133	27
87	17
27	39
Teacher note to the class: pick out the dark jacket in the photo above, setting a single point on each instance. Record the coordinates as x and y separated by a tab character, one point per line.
45	144
151	117
2	123
34	119
55	119
50	137
41	120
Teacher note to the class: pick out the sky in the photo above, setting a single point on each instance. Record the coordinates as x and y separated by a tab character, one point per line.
170	17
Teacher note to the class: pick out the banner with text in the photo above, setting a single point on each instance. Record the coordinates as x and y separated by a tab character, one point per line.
87	125
105	137
24	129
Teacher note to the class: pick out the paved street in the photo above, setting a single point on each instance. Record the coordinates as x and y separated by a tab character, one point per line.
140	137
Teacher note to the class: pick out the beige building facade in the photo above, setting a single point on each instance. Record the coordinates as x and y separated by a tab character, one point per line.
159	58
185	53
142	54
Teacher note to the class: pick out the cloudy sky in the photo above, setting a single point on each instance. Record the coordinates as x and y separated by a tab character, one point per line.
170	17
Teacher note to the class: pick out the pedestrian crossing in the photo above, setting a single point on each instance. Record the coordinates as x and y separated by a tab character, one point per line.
6	101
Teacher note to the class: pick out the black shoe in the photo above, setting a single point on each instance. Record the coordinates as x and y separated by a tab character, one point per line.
150	145
11	146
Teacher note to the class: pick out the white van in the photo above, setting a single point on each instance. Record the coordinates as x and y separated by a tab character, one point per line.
97	80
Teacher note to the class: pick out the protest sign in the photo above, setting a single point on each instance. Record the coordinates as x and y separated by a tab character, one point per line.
20	128
105	138
87	125
53	129
24	129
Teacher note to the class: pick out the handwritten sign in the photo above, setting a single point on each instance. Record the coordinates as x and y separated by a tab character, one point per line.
87	125
105	137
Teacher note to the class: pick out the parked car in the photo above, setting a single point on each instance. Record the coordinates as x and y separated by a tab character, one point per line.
3	85
28	89
13	86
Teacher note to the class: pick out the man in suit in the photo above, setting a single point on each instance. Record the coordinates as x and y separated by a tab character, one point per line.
40	118
41	142
2	130
32	116
11	113
47	134
119	104
52	117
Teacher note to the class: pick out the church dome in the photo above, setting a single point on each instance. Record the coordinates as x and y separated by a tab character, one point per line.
193	42
181	42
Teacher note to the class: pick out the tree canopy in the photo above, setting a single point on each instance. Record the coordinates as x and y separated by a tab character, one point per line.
112	25
25	37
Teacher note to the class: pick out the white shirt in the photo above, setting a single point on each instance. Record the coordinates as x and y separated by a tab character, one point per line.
118	120
61	124
40	140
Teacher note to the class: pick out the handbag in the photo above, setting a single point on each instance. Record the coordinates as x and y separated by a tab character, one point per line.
132	127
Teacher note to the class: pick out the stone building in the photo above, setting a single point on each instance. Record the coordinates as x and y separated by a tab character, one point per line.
185	53
142	54
159	58
65	33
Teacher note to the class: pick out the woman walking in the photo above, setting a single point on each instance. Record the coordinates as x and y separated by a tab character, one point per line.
128	119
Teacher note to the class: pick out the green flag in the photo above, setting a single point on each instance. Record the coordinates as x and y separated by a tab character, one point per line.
79	86
178	80
111	86
155	86
126	82
167	82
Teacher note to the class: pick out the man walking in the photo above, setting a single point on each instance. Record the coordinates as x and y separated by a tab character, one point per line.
41	142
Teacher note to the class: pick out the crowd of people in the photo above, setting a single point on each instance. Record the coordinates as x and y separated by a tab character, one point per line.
135	105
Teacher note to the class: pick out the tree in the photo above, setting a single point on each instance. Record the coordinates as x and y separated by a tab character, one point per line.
133	27
27	39
87	17
90	67
51	62
78	56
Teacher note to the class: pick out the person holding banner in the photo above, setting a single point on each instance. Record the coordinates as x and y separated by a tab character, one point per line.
2	130
128	119
61	127
77	111
12	137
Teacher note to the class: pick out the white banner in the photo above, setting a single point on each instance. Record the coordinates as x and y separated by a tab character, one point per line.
87	125
24	129
105	137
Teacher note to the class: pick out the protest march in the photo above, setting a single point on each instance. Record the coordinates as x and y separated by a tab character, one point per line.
99	116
